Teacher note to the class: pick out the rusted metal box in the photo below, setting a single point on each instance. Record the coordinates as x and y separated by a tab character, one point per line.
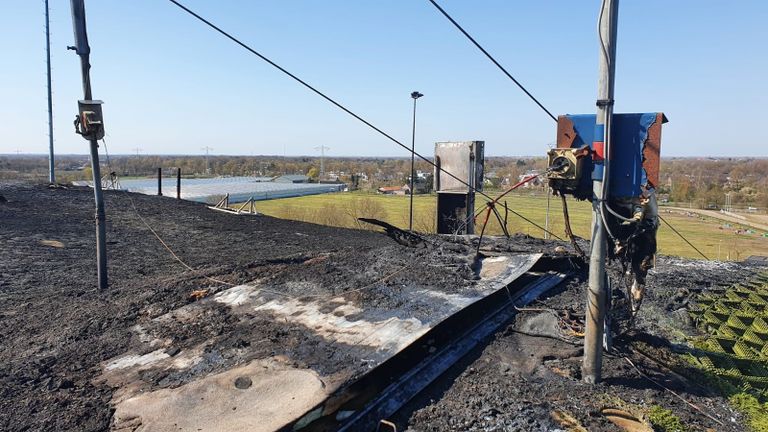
91	119
635	151
464	160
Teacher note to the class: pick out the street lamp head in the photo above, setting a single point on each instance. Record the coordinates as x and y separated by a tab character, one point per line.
416	95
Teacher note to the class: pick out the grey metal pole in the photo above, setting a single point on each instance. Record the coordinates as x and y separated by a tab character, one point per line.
51	173
207	166
546	217
322	161
597	295
178	183
160	182
415	95
83	50
322	149
101	217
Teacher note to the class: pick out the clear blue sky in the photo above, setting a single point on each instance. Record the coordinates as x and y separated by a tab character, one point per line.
172	86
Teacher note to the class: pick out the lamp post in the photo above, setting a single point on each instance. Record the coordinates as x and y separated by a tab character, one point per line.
415	95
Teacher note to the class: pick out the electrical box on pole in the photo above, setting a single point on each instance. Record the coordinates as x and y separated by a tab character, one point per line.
90	121
613	161
635	155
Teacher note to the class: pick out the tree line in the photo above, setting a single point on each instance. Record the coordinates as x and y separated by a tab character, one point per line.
698	182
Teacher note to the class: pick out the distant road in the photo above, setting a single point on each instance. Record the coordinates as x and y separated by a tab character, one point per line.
725	217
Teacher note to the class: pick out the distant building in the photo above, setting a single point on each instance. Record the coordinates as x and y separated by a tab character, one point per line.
535	182
292	178
492	179
393	190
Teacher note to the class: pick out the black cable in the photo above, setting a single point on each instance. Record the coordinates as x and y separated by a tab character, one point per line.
490	57
477	212
324	96
536	225
343	108
683	237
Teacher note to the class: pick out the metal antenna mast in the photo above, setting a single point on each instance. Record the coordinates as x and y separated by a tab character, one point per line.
322	149
51	174
207	149
90	125
597	296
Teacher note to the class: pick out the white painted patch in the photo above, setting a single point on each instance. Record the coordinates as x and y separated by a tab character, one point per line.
185	359
236	295
495	259
493	266
390	335
457	300
144	337
137	360
347	309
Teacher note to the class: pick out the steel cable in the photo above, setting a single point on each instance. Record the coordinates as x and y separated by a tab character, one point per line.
386	135
345	109
683	237
490	57
324	96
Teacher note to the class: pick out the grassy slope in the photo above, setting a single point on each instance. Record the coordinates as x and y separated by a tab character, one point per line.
335	209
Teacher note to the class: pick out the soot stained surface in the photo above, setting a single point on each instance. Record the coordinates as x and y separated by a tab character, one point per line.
56	327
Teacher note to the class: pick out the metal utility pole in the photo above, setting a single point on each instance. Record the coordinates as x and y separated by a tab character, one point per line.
51	174
160	182
138	150
548	191
322	149
178	183
597	296
92	128
207	166
415	95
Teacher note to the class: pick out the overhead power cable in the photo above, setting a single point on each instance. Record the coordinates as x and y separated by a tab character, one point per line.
490	57
345	109
323	95
533	98
683	237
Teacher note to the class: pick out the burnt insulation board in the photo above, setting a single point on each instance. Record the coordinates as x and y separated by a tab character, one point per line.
257	392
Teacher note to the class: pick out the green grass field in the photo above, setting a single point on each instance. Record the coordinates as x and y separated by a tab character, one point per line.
342	209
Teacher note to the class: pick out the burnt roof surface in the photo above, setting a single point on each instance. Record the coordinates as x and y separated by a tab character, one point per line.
59	332
757	260
57	329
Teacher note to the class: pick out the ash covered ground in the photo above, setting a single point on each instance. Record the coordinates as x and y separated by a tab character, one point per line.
528	377
57	328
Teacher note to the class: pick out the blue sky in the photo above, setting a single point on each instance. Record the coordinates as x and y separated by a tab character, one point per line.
172	86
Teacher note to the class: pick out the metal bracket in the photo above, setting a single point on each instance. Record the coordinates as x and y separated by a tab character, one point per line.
604	102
